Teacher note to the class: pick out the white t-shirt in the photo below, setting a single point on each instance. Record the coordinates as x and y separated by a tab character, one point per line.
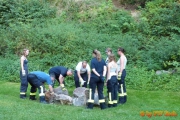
80	68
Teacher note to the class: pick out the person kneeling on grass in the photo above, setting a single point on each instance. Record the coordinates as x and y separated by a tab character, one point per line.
36	80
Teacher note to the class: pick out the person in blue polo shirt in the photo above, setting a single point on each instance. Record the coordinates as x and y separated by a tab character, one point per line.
98	74
36	79
60	73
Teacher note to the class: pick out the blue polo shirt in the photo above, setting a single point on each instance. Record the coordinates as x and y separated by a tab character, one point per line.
42	76
58	70
98	66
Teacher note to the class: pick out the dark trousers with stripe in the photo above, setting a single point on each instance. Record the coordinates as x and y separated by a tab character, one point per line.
122	88
112	86
95	81
24	84
84	77
35	83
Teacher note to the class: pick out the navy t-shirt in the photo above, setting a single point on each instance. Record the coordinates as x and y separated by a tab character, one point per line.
58	70
98	66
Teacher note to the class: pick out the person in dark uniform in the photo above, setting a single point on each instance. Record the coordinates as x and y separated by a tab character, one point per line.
37	79
82	74
98	73
112	83
23	74
121	76
60	73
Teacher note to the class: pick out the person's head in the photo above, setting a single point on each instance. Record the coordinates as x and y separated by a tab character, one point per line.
108	51
84	64
121	51
97	54
111	58
69	72
52	76
25	52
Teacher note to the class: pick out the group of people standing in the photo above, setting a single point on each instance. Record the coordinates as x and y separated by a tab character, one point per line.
100	72
109	73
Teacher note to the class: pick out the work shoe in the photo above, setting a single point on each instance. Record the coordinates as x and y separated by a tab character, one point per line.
32	97
23	96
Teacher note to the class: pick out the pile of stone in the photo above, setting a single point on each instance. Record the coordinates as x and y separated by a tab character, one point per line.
79	98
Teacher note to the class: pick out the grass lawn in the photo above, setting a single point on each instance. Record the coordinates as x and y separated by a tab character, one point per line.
14	108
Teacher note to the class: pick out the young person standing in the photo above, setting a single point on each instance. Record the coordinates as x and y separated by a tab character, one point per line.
97	79
121	75
112	83
23	73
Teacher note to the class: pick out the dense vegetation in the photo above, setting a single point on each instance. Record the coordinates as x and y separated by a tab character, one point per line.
63	32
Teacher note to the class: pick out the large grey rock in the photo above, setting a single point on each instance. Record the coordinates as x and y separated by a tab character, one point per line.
96	99
63	99
51	98
59	90
80	96
159	72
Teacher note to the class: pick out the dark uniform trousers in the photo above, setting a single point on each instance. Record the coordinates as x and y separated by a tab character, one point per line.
84	77
112	86
122	88
24	84
35	83
95	81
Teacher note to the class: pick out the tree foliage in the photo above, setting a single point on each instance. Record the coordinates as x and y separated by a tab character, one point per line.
65	32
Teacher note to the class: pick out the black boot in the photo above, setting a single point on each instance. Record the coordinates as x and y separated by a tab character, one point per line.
125	98
32	97
90	106
115	105
42	100
121	100
103	106
23	96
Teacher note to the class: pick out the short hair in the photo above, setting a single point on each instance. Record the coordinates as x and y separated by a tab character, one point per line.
72	71
108	50
121	49
52	75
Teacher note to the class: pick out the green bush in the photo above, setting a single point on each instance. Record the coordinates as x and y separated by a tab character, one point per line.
66	35
24	11
162	17
141	79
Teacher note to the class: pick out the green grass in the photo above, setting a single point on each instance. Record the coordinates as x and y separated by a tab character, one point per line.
14	108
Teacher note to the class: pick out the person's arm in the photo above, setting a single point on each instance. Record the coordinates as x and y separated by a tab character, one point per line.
22	62
104	71
89	75
121	64
79	75
51	89
61	79
108	72
95	72
116	70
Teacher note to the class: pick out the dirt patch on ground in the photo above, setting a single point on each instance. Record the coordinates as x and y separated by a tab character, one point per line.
131	8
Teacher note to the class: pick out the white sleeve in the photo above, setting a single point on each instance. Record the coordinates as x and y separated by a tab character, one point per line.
88	68
78	67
